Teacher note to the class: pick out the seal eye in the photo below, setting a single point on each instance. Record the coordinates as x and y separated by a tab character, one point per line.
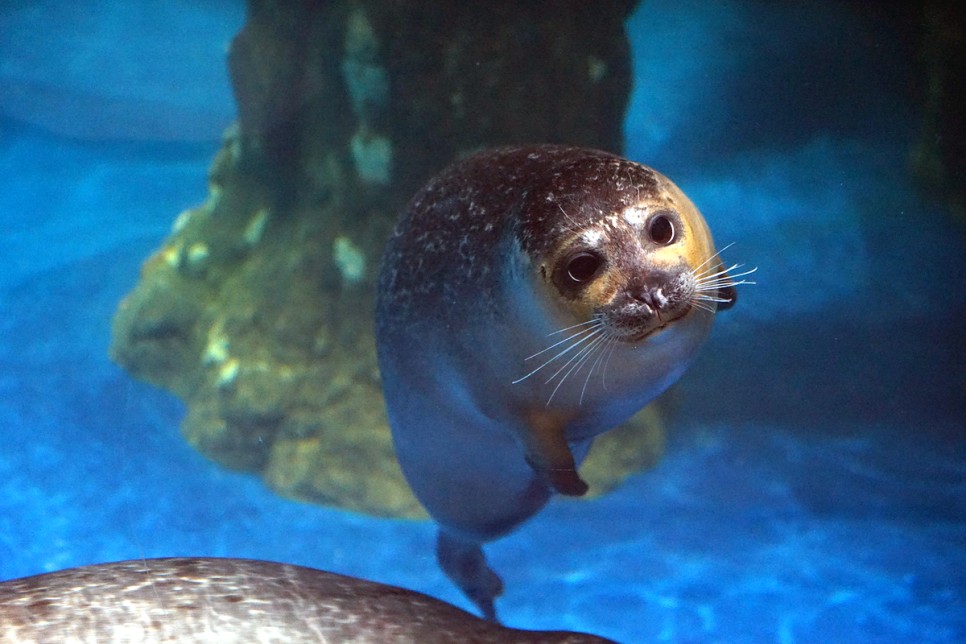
661	230
583	266
572	274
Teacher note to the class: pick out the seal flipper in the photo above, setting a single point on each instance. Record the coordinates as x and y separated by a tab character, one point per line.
549	455
465	564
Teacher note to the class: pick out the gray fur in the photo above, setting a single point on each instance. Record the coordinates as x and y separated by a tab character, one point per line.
233	600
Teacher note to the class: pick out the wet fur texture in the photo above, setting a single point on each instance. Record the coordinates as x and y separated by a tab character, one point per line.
194	599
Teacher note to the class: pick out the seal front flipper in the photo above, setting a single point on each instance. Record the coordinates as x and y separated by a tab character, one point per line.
548	453
463	562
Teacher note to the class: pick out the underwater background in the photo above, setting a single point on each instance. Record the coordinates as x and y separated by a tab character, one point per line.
814	481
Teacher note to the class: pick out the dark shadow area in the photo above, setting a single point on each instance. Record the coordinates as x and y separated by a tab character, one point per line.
821	373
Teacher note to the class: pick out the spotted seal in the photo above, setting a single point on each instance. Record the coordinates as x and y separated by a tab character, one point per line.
529	299
194	599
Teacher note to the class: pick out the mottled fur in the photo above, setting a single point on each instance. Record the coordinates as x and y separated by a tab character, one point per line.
206	600
530	299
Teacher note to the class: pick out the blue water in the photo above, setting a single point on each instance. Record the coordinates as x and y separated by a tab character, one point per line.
814	487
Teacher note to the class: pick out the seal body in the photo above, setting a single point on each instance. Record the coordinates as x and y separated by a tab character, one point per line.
530	299
233	600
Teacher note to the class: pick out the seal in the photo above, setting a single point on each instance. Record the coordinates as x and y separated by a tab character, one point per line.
529	299
234	600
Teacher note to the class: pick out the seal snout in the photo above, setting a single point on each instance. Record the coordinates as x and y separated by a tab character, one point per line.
648	303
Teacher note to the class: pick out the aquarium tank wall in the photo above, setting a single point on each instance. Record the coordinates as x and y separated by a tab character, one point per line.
196	198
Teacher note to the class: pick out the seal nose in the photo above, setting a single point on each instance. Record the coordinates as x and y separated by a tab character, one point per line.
654	298
652	292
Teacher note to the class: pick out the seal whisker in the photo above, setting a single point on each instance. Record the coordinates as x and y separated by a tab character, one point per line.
715	285
576	356
575	225
598	350
710	298
704	306
725	275
716	254
601	351
581	358
578	338
573	326
559	342
707	274
612	342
